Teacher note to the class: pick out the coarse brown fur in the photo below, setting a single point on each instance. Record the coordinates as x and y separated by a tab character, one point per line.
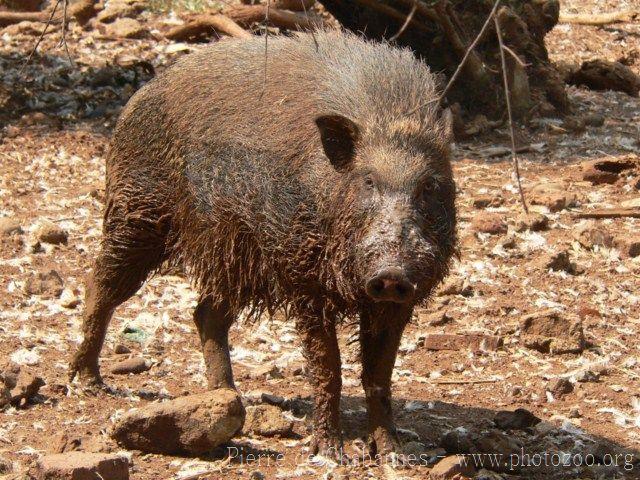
285	192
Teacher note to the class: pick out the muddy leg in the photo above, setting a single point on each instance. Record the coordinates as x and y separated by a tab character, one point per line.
323	358
380	333
213	322
132	247
106	288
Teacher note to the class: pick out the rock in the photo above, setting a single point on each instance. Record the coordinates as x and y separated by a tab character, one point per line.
49	232
193	424
591	234
548	332
24	28
484	474
121	349
560	387
594	120
413	449
73	443
558	262
456	286
573	123
574	413
535	222
508	242
18	385
474	342
436	319
458	440
496	442
604	75
126	28
629	246
5	466
605	171
9	226
131	365
554	196
116	10
519	419
266	371
45	284
69	298
452	467
267	421
82	466
488	222
484	201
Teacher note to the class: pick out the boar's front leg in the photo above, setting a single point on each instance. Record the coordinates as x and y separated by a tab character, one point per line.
323	359
213	321
380	332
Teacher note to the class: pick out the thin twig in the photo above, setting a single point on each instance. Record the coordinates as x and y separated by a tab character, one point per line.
507	95
462	62
46	27
516	57
266	44
65	24
406	22
313	33
464	382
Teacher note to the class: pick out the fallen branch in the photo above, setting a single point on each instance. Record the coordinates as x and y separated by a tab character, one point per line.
246	15
600	18
82	11
10	18
294	5
203	24
610	213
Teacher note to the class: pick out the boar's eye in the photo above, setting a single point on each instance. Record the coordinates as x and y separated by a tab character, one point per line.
369	182
429	191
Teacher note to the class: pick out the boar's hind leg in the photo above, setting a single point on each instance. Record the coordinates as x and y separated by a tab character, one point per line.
323	358
213	321
380	334
131	249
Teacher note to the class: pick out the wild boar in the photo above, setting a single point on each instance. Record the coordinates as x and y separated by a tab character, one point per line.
323	187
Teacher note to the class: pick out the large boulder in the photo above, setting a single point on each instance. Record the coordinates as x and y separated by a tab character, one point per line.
191	425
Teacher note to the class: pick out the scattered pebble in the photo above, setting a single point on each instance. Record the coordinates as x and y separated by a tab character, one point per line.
267	421
48	232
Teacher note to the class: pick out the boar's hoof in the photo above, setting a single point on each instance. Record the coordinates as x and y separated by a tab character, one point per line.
383	442
88	374
328	447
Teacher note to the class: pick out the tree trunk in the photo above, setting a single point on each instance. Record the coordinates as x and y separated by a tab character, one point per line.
440	32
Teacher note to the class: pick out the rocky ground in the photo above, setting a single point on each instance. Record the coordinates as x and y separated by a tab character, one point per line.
540	313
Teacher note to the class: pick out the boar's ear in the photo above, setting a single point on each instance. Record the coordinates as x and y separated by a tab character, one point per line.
446	119
339	136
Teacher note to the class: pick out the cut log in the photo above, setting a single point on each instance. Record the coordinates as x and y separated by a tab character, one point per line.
204	25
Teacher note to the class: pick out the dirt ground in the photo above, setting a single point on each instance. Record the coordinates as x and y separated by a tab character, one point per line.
52	168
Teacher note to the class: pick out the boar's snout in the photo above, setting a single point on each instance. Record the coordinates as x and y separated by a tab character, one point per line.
390	285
